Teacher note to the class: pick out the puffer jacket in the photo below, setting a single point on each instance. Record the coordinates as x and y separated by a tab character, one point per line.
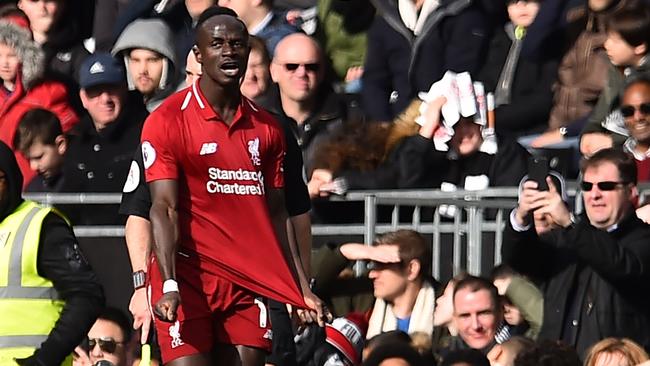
31	91
154	35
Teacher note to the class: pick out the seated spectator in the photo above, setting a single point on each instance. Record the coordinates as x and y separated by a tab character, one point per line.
523	303
101	147
465	357
300	100
521	87
258	76
403	287
548	353
42	142
606	248
577	30
148	51
412	44
261	20
31	90
477	315
56	28
108	340
628	39
504	354
615	352
635	109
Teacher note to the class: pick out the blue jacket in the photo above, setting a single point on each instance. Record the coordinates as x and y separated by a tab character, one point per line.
453	38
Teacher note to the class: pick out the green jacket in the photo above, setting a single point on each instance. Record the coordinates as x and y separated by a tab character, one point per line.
529	300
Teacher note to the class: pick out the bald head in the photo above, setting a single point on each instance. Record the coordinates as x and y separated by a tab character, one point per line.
296	44
297	67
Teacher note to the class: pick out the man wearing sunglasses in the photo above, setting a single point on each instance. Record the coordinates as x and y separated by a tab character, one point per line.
592	269
635	108
107	340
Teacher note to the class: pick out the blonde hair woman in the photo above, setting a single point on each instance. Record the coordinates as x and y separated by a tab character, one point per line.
615	352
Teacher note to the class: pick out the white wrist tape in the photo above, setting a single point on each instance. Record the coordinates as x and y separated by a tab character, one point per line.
170	286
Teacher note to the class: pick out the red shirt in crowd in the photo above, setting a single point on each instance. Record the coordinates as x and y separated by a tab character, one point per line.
222	173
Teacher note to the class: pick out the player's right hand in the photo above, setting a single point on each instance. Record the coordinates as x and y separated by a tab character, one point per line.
139	307
165	308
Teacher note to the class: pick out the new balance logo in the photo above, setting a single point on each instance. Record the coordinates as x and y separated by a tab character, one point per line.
97	68
208	148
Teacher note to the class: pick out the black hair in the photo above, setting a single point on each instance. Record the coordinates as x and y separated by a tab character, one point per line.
394	350
470	356
213	11
633	24
117	317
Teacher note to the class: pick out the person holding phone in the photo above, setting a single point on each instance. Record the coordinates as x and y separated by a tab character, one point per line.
592	269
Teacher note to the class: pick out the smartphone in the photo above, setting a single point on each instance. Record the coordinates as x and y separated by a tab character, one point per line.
538	171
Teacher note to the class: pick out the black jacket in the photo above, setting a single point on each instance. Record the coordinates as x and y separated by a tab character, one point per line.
329	116
596	283
429	167
454	38
100	161
531	97
60	260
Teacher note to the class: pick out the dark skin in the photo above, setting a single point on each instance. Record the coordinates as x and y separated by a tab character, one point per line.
222	49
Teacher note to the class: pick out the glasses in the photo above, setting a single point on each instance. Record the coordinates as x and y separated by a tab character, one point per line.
628	110
379	266
308	67
602	186
107	345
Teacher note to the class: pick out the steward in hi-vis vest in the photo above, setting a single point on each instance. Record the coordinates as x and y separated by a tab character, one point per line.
49	296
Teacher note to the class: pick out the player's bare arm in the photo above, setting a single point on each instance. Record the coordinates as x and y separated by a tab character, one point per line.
164	222
137	233
278	213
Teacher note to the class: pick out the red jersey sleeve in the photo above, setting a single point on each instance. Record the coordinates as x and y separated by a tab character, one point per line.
273	168
158	148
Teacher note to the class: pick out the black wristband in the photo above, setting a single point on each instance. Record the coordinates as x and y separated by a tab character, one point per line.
139	279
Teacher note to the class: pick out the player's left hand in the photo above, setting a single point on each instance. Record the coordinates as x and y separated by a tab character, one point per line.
317	312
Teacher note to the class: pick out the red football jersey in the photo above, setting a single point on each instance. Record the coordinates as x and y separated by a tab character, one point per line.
222	173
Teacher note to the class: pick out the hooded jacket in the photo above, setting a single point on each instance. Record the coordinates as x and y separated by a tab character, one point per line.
31	91
153	35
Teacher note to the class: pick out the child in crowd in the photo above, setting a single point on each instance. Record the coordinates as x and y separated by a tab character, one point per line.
628	37
522	88
41	141
8	70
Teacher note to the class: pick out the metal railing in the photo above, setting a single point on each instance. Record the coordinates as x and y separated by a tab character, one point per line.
468	224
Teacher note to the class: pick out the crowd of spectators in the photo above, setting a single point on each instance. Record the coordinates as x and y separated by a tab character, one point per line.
378	94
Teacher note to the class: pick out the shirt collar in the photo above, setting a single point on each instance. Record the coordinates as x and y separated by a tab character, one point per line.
208	113
261	25
630	146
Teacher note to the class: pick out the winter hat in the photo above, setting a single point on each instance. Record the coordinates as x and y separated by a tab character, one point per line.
347	335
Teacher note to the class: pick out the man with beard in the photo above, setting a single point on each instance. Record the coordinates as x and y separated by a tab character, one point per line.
213	161
635	108
49	295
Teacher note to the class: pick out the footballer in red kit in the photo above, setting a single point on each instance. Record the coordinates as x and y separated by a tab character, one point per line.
213	161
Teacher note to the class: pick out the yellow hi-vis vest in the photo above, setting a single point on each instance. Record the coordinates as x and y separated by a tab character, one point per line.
29	304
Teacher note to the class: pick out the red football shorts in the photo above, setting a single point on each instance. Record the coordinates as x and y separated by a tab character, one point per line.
212	310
